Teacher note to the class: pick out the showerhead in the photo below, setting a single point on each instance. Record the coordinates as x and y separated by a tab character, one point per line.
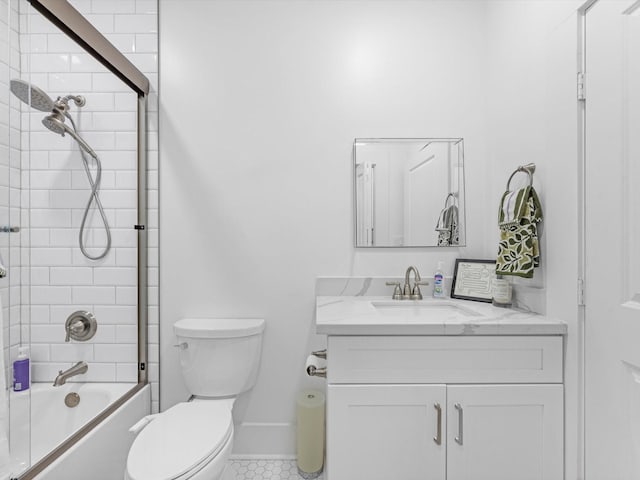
55	123
58	113
31	95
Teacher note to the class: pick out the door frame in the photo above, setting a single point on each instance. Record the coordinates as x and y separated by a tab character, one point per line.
582	238
582	109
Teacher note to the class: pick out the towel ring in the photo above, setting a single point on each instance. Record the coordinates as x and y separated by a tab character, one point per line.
528	169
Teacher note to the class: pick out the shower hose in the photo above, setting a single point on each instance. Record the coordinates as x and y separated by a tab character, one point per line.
93	197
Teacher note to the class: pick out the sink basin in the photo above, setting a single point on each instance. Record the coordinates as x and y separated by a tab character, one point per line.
418	308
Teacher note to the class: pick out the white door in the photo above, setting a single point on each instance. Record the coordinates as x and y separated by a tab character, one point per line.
386	432
505	432
612	314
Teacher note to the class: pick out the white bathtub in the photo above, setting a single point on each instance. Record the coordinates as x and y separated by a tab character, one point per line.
52	422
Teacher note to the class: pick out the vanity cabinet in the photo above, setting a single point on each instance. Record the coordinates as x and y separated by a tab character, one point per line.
507	432
444	407
385	432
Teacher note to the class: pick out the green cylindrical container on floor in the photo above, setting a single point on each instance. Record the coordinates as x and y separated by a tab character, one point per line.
310	406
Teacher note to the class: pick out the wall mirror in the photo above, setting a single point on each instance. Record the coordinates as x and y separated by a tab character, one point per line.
409	192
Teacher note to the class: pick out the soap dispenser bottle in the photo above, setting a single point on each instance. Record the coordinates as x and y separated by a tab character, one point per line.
21	380
438	282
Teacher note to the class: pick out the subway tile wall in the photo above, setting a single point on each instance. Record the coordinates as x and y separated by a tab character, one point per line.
56	190
10	243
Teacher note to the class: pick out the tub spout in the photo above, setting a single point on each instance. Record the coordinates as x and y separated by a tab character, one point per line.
78	369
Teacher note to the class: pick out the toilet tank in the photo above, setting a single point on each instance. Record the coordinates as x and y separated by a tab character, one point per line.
219	357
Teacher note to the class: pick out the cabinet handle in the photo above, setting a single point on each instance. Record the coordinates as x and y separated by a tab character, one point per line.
438	437
458	439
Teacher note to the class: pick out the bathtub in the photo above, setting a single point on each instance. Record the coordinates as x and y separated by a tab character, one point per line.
53	422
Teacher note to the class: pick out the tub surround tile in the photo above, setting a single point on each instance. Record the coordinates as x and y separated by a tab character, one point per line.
138	23
127	372
124	315
46	190
105	334
69	275
72	352
50	295
121	353
94	295
67	81
113	6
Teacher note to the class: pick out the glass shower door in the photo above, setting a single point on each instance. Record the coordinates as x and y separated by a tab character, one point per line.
74	143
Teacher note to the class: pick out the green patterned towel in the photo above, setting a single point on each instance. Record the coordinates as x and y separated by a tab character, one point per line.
518	218
447	227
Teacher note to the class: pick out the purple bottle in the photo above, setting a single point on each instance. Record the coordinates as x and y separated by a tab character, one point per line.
21	371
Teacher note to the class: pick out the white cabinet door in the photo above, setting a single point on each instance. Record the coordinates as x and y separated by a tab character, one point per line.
505	432
384	432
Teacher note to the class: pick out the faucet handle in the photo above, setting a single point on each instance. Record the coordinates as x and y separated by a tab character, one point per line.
416	294
73	328
80	326
397	291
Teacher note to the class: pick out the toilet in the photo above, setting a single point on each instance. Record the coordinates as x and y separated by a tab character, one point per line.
219	359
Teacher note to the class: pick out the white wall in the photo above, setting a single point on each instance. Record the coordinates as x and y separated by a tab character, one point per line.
533	118
523	104
260	103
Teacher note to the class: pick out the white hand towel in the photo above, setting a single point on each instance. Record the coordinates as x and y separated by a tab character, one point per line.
509	206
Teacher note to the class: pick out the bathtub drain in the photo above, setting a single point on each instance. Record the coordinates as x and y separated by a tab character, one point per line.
72	400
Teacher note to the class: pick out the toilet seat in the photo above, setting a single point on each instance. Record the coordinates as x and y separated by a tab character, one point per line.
180	441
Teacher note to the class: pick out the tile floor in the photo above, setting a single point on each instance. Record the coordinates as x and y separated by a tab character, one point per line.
266	470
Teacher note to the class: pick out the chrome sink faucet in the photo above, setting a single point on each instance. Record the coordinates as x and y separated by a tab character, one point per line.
78	369
408	292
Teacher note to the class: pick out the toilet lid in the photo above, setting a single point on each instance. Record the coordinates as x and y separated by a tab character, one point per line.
218	327
179	440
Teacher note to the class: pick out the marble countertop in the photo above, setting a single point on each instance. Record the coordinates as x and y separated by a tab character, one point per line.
368	315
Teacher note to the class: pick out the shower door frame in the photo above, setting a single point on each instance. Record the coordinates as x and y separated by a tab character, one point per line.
62	14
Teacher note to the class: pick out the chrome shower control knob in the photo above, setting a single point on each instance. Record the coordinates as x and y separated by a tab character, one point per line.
80	326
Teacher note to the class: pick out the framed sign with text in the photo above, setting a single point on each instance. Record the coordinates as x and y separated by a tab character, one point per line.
472	279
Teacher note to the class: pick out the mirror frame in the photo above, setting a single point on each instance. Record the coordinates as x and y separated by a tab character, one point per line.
461	198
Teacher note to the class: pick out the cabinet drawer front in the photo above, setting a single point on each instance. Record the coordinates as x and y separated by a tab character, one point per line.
422	359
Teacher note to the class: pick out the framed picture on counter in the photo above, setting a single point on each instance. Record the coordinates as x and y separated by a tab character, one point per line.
472	279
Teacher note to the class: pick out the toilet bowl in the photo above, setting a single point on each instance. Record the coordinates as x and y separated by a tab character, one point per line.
193	440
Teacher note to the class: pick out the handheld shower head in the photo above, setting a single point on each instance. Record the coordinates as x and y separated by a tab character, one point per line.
55	123
58	112
31	95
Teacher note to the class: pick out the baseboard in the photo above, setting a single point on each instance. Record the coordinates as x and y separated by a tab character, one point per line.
262	457
264	441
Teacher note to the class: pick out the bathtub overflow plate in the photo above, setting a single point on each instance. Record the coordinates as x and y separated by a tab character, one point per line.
72	400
